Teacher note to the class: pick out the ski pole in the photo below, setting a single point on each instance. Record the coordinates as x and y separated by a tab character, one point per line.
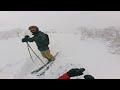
35	53
29	52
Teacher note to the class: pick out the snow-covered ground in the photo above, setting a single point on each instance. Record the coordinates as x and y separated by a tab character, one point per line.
15	62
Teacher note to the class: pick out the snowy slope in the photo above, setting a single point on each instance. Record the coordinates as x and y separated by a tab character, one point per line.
15	61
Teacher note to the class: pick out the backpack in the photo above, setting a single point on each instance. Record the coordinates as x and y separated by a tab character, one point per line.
47	39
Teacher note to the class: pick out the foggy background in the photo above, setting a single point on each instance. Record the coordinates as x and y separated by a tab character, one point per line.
58	20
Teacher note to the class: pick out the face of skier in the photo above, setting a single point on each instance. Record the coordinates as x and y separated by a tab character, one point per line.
33	30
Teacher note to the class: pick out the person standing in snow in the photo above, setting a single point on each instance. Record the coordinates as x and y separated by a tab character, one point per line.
75	72
42	41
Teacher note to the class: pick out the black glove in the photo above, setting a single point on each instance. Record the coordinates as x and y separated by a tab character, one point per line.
89	77
26	36
75	72
25	39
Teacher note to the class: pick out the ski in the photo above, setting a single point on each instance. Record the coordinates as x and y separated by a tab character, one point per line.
45	65
48	66
41	73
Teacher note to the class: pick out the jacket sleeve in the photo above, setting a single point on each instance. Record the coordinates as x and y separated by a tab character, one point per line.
64	76
31	39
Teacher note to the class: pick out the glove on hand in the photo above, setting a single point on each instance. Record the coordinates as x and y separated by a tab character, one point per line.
25	39
75	72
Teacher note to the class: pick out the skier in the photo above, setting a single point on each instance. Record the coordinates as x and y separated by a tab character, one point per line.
75	72
42	41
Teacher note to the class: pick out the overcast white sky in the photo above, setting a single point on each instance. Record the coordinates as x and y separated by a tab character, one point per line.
58	19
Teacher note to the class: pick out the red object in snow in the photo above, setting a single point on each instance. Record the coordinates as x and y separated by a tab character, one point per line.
64	76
